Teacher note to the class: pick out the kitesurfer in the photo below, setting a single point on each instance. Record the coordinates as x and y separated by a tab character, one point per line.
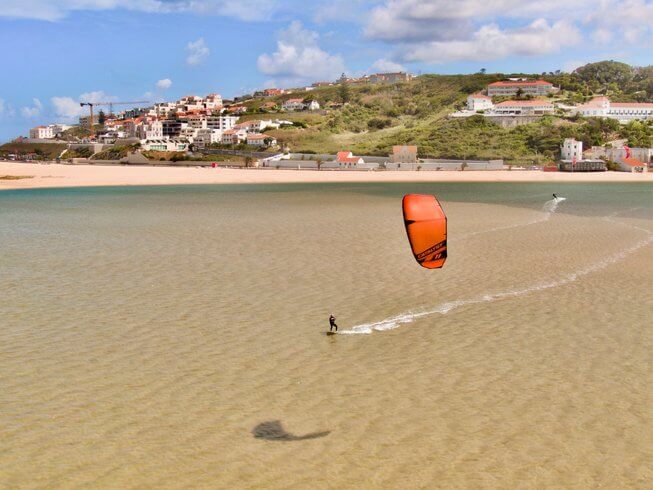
332	323
555	197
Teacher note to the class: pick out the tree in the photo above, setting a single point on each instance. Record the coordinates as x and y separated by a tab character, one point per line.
101	118
343	91
520	93
319	163
248	161
482	71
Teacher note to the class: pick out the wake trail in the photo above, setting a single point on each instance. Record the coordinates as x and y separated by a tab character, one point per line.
548	210
394	322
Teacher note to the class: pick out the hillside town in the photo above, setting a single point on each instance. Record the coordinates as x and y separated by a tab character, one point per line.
210	123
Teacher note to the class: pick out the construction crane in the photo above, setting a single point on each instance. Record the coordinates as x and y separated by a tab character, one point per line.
110	104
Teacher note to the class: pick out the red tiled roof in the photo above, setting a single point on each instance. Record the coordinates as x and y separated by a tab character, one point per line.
519	84
633	162
524	103
295	100
479	95
633	105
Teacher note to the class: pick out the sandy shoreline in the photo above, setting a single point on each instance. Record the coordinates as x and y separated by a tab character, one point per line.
56	175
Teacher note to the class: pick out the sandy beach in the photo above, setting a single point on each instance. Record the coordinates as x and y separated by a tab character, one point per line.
57	175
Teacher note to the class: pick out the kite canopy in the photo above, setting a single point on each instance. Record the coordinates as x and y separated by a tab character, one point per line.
426	226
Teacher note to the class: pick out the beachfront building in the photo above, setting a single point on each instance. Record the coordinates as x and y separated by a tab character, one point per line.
42	132
615	153
293	105
348	158
571	150
479	102
512	87
523	108
256	139
404	154
631	164
623	112
165	145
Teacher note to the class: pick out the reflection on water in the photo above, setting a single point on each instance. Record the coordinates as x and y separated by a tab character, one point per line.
274	431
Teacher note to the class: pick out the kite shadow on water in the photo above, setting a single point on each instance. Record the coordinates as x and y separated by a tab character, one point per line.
273	431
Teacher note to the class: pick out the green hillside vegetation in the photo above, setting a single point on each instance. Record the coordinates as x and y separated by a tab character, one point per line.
36	151
376	117
115	152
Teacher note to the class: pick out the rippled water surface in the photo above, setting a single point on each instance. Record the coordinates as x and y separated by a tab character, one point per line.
171	337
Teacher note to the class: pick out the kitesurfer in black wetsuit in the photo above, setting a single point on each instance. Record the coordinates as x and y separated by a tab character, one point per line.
332	323
555	197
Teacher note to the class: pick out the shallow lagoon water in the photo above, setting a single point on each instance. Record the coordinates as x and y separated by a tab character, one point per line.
174	337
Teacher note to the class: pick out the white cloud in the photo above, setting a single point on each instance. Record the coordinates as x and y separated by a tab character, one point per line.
249	10
198	51
491	42
466	29
68	108
384	65
164	84
33	111
298	57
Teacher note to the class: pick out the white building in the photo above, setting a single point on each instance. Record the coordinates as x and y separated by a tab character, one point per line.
624	112
206	137
293	105
165	145
523	108
223	122
213	101
260	140
42	132
150	131
479	102
313	105
571	150
233	137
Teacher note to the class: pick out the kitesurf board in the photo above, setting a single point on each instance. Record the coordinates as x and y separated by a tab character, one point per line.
331	333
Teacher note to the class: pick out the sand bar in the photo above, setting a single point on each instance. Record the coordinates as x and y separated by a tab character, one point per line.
56	175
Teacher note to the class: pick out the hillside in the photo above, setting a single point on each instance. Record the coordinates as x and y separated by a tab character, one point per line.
376	117
380	116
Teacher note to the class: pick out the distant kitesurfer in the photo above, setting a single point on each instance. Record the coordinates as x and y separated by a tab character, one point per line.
555	197
332	323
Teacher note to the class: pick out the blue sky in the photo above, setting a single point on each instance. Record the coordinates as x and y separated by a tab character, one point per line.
58	52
